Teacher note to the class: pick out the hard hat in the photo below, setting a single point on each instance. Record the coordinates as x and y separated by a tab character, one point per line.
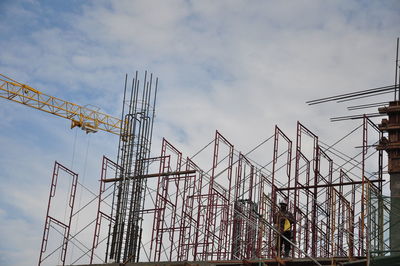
283	203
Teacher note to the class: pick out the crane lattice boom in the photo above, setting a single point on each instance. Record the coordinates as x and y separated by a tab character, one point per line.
88	119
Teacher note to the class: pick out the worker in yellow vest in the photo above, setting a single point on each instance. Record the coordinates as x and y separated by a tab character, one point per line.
284	220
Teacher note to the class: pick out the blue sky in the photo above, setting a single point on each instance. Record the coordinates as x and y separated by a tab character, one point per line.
237	66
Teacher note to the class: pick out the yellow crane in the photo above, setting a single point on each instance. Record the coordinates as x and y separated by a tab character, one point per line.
87	119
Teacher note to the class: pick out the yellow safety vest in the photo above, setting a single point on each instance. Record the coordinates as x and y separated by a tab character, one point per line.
286	225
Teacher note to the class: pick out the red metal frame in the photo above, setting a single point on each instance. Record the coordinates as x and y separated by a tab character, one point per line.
245	224
57	221
166	208
274	186
368	126
107	166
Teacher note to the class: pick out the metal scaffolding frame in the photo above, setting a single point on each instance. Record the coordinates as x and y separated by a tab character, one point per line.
104	210
51	218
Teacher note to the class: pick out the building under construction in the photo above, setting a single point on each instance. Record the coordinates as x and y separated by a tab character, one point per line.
217	207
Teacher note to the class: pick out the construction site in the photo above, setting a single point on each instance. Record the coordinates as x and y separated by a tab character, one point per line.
291	199
219	206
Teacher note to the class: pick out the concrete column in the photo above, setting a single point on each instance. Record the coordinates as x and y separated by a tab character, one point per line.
395	212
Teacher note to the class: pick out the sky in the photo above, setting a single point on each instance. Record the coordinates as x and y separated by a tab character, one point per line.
239	67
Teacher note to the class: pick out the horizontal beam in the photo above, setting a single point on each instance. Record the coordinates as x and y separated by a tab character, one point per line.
330	185
152	175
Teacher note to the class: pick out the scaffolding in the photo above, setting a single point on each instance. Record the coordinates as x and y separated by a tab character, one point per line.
231	218
54	221
226	212
219	205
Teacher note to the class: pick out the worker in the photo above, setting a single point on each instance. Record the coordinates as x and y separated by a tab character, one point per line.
284	220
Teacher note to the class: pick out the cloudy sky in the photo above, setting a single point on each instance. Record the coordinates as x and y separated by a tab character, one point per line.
237	66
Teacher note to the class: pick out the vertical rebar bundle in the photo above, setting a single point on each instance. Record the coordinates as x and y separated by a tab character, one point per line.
134	148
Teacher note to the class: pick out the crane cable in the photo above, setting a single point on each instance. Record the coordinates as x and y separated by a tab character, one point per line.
73	149
69	183
81	183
